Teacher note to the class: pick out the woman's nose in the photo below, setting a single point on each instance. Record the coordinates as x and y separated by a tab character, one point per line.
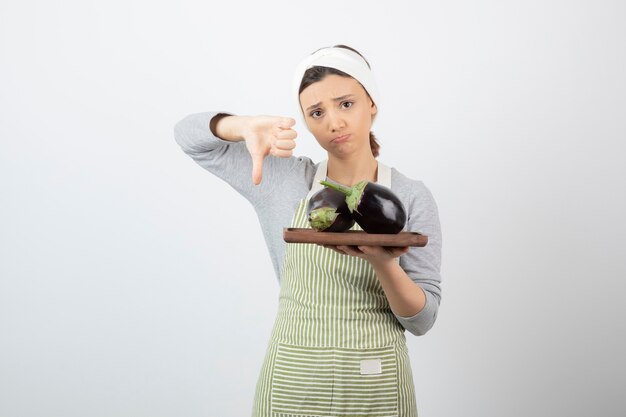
335	121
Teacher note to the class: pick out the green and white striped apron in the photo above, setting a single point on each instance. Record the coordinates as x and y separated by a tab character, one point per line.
336	348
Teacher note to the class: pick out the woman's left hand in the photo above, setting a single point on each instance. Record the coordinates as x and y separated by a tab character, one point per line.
376	255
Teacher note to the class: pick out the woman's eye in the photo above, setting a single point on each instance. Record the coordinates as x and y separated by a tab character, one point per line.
347	102
315	114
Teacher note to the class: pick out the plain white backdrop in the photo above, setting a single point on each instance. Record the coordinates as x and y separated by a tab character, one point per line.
133	283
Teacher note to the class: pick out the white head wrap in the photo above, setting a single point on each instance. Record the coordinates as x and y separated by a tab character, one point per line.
342	59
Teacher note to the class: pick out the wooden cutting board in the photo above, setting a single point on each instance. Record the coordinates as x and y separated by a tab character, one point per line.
353	237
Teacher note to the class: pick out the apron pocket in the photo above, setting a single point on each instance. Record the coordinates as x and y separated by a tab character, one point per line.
338	382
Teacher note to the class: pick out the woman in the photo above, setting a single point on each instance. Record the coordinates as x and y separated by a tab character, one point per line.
338	346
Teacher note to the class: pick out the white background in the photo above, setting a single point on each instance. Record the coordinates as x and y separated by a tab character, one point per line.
134	283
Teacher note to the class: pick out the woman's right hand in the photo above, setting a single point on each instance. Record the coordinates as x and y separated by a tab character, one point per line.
264	135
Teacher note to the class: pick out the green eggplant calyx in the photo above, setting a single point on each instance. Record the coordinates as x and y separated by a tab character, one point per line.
353	194
322	218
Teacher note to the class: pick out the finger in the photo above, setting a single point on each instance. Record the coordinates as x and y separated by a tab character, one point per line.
281	153
286	122
401	250
257	169
396	251
285	144
334	248
337	249
350	250
368	250
289	134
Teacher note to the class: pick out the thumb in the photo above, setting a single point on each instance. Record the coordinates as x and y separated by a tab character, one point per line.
257	169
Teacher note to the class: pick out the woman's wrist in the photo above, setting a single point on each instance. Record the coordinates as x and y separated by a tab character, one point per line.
384	266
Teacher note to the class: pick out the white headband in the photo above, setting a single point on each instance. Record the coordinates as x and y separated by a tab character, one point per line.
342	59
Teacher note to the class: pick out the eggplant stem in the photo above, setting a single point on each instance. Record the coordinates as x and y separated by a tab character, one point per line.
337	187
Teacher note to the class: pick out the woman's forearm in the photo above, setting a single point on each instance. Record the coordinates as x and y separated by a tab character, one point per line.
405	297
227	127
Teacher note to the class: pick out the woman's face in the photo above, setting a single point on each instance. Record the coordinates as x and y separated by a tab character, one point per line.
339	113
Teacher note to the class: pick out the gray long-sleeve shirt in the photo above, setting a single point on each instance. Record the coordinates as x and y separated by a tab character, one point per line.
293	176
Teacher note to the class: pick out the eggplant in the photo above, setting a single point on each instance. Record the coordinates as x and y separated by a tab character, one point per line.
328	211
374	207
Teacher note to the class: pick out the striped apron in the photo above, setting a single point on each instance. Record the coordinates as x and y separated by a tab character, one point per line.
336	348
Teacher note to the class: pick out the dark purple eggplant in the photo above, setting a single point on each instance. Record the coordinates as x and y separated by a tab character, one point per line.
328	212
374	207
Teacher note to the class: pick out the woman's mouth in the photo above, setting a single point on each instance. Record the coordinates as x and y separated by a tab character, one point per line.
340	139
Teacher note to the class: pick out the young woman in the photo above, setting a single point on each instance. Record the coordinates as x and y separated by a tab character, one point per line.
338	346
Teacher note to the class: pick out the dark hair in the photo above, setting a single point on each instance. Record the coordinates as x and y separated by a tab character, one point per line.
317	73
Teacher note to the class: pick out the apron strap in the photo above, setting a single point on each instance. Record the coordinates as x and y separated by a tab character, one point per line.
384	177
320	175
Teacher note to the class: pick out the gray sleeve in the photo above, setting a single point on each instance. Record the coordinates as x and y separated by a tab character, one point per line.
229	161
422	264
